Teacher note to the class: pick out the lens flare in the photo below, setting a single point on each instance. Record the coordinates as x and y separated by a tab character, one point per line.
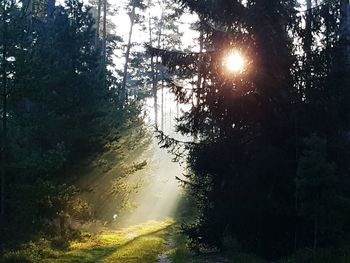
235	62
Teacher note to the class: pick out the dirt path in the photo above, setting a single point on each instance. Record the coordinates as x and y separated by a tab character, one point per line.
144	243
151	242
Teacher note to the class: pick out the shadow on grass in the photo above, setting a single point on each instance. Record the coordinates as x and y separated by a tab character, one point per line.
145	245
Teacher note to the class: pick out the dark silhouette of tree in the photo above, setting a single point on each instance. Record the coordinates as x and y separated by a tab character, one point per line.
251	125
57	108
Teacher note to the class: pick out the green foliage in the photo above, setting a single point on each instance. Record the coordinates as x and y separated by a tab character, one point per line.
60	243
250	173
141	243
30	252
60	108
319	256
18	257
80	209
181	252
316	180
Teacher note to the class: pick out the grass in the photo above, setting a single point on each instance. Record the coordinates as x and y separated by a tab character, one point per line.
143	250
144	244
138	244
180	253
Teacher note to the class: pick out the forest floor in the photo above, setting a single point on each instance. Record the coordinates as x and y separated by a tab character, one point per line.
144	243
151	242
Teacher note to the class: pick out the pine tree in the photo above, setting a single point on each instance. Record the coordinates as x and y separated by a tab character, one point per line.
251	125
128	47
163	33
345	28
58	110
243	124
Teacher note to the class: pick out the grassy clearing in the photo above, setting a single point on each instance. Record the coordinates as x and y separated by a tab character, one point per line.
144	244
138	244
143	250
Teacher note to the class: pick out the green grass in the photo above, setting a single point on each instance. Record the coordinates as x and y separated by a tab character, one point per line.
143	250
138	244
180	253
144	244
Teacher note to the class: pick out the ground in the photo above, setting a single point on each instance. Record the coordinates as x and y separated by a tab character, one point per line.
144	243
151	242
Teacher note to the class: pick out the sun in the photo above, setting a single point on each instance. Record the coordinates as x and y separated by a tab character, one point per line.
235	62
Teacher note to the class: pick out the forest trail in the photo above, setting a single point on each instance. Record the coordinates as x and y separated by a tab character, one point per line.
150	242
144	243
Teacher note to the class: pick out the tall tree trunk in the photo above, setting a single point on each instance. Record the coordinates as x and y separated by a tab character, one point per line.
162	105
315	233
104	42
127	54
153	73
4	141
98	21
307	46
104	29
200	65
200	77
27	9
4	113
160	32
345	29
177	110
50	8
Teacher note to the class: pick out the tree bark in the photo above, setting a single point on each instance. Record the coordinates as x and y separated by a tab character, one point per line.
127	54
104	42
4	114
315	233
153	73
307	45
50	8
160	32
200	64
98	21
200	78
162	105
345	30
27	9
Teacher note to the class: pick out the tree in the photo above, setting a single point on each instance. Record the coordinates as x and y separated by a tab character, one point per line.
11	30
308	40
50	8
345	28
154	72
128	47
98	19
316	184
163	33
55	106
104	39
243	124
243	167
4	75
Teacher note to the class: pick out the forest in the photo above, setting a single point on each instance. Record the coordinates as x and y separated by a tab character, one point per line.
175	131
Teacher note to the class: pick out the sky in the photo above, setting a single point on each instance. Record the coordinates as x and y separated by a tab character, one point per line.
122	22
